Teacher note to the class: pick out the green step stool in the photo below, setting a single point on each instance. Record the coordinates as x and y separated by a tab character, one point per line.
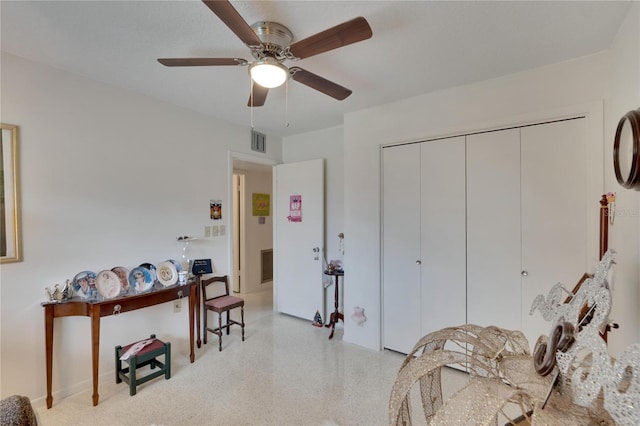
145	356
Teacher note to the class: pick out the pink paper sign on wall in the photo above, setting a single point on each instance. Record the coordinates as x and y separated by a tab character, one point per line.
295	208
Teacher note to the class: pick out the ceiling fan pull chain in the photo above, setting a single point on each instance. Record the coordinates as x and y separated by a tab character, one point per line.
251	96
286	103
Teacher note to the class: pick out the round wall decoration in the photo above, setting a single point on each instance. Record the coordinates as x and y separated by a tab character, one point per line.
626	150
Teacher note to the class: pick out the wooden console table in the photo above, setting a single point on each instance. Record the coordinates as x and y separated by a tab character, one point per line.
97	309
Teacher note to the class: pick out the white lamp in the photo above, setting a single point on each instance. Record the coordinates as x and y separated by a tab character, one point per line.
268	73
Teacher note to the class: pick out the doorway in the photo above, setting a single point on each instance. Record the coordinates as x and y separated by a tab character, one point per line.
251	235
238	230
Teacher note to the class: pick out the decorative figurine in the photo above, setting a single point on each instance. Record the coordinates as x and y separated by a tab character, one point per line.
358	315
317	319
57	294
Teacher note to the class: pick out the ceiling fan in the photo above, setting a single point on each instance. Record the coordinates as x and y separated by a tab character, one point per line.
270	45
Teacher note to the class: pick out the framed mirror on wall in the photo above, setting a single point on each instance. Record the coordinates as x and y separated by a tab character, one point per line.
626	150
10	238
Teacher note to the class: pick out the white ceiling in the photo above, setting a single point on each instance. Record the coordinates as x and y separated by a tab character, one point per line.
417	47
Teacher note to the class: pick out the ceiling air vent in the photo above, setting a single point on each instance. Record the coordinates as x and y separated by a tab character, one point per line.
258	142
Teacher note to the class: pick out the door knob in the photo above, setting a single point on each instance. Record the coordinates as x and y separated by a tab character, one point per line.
418	262
524	273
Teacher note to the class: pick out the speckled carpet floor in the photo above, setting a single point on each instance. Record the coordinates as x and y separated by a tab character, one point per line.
285	373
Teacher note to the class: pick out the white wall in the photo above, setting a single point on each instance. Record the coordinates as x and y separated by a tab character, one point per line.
257	237
542	93
624	236
108	178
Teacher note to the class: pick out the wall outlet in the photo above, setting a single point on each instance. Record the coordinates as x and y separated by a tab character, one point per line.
214	231
177	305
222	230
207	231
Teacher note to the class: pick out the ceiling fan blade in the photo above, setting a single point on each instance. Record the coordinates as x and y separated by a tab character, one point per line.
320	84
199	62
349	32
259	95
232	19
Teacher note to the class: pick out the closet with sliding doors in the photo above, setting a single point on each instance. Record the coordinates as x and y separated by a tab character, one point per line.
475	226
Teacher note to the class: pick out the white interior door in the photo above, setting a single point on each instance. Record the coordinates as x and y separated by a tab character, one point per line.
443	234
554	213
299	238
401	247
493	229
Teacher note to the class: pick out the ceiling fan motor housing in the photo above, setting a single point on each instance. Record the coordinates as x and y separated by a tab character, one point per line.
275	39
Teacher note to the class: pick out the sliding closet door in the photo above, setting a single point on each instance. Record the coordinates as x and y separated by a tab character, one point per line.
493	229
443	234
401	247
554	213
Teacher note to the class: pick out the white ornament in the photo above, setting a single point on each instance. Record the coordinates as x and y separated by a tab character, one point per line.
587	363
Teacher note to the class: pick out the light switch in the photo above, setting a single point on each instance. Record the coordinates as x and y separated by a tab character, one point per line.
222	230
214	231
207	231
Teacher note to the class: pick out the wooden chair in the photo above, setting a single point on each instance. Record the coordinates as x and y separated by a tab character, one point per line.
216	298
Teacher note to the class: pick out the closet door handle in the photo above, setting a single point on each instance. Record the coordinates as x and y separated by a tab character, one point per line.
524	273
418	262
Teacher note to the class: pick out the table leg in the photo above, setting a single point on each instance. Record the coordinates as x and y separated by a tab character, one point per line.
331	316
335	316
333	326
197	303
95	349
48	331
192	304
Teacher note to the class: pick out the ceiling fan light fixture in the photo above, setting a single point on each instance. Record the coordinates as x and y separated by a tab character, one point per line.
268	73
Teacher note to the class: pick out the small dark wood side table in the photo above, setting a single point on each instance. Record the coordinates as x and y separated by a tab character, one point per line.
335	315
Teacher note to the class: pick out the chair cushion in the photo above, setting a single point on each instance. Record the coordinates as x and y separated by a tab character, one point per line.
224	302
153	346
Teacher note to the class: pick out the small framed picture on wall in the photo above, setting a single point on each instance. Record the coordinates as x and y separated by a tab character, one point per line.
215	208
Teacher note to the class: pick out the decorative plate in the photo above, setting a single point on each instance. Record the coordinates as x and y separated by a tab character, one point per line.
140	279
84	284
167	273
152	268
176	264
108	284
123	274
